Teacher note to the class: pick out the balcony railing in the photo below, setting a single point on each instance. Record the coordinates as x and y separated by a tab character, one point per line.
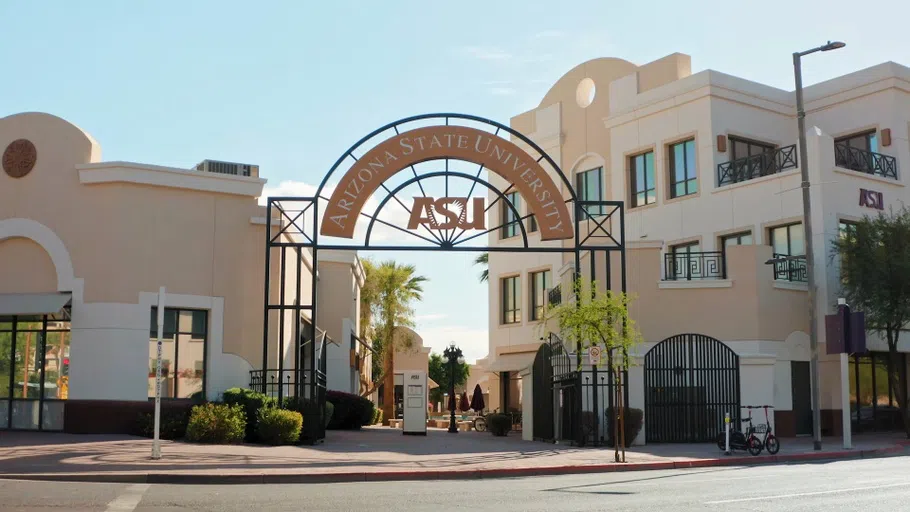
686	266
793	270
756	166
554	296
868	162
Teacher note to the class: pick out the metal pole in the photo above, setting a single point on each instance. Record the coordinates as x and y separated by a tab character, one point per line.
156	441
452	428
810	256
727	433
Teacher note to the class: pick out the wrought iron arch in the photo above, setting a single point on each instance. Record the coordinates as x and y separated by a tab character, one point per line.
691	382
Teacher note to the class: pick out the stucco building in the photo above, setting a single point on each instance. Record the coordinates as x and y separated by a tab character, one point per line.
707	166
85	245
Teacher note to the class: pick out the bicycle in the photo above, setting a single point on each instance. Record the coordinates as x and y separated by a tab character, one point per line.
746	441
769	441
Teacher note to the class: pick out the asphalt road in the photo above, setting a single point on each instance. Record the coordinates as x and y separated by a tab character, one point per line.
863	485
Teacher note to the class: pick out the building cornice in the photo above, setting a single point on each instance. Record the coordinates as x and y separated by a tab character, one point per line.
172	177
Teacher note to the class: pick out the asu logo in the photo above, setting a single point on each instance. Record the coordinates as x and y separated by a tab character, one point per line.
452	210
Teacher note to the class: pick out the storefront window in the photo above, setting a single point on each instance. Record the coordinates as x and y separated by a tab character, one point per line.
873	404
183	351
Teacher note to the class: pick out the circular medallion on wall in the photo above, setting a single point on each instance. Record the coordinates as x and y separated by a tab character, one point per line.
19	158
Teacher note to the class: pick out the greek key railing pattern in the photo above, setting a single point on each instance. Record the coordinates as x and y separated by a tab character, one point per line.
686	266
868	162
756	166
790	270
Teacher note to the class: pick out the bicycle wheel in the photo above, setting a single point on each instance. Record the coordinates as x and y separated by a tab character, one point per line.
755	446
480	425
722	441
772	444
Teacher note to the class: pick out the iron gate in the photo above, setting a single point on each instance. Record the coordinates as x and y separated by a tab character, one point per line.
691	381
542	375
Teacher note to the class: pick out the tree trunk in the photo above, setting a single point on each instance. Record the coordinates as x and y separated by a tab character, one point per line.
388	385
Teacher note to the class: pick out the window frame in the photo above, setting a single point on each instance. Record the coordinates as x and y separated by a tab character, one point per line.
534	305
509	228
633	183
581	192
868	135
733	139
690	175
516	300
173	336
771	230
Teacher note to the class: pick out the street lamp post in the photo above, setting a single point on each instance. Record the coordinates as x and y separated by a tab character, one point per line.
454	356
807	226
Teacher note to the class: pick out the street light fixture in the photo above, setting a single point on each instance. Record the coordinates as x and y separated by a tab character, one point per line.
807	226
454	356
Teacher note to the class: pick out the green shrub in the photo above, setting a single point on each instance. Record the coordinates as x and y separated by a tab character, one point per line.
499	424
351	411
632	422
216	423
278	426
377	416
251	402
329	411
172	426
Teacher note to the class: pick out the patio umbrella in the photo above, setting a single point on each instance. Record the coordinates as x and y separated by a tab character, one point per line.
477	400
464	401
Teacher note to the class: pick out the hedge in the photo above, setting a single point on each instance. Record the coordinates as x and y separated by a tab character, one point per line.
350	411
278	426
251	402
216	423
172	426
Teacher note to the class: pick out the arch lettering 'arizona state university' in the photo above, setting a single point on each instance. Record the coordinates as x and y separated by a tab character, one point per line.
458	143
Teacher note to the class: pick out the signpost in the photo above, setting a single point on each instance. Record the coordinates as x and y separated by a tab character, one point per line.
156	441
845	333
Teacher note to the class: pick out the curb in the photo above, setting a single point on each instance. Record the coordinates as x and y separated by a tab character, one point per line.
322	478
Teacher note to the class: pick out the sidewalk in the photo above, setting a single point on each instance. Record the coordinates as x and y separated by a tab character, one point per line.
371	454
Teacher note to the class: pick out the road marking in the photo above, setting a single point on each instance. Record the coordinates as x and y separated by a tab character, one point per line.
128	500
798	494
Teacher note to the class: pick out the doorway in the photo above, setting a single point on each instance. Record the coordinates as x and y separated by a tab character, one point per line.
800	388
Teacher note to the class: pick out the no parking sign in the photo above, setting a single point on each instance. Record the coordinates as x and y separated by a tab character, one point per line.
594	354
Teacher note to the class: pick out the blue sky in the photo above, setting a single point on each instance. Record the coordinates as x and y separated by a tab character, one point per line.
290	85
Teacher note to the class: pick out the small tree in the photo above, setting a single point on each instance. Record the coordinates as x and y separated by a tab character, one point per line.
439	372
875	279
599	318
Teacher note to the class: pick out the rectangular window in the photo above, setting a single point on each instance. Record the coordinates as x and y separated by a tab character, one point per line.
589	187
683	259
866	141
182	352
744	238
511	300
540	284
641	178
742	148
510	218
845	228
787	241
683	178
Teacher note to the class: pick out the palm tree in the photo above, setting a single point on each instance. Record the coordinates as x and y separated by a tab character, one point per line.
483	259
391	290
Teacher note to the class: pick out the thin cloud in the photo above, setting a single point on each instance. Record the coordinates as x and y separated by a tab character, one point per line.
502	91
430	317
485	53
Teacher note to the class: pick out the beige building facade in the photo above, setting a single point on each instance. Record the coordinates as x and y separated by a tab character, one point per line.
85	246
707	167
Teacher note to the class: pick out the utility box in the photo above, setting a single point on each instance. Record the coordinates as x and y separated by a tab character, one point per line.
414	408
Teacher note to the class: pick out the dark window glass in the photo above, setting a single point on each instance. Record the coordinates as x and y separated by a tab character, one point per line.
641	173
683	178
866	141
742	148
511	300
532	223
540	283
182	352
589	187
509	218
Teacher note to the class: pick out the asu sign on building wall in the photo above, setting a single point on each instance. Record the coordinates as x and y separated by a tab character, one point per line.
530	179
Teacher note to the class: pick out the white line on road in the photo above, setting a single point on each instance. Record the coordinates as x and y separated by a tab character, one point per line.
816	493
128	500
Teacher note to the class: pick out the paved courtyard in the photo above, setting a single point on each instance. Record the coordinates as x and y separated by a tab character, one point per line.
373	452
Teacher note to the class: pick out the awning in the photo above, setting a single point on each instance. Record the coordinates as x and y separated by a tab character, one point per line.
511	362
32	303
432	383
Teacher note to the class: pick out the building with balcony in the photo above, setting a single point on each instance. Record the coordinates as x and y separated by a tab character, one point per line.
708	169
85	246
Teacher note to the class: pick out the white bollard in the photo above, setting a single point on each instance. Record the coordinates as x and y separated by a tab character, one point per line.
727	430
